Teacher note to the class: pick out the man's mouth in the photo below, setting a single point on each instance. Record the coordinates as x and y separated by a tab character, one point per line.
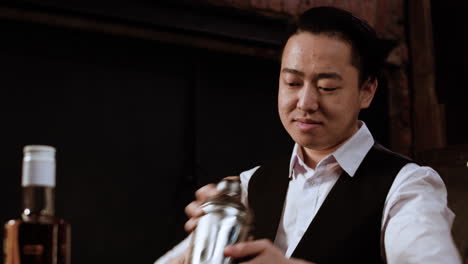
307	124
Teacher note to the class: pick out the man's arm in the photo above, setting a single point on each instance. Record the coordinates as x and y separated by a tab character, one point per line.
261	252
417	223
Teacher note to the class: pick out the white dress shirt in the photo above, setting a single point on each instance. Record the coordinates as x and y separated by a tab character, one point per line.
416	222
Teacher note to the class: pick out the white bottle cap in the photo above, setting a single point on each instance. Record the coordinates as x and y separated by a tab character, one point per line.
38	166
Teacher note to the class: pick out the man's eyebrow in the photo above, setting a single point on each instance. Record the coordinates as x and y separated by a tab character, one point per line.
322	75
293	71
328	75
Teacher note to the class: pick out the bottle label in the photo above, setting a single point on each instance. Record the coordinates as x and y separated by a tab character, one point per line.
38	172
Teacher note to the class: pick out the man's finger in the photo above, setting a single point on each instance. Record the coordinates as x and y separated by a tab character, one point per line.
191	224
250	248
232	178
206	192
193	209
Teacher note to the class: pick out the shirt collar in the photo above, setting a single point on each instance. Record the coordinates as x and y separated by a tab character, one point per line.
349	156
352	152
294	159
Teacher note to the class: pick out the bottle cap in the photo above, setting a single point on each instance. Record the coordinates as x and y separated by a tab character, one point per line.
38	166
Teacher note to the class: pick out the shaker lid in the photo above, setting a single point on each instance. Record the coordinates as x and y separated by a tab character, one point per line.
229	187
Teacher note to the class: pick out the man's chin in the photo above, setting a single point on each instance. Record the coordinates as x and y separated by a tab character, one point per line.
311	144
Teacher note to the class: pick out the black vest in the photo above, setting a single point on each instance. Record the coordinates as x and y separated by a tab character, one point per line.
347	227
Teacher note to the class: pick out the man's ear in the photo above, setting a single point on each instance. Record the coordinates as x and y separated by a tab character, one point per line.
367	92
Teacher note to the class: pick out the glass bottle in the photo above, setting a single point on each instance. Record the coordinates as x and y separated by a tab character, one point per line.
38	237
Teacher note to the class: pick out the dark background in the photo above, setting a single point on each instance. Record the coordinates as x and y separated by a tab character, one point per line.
138	124
450	34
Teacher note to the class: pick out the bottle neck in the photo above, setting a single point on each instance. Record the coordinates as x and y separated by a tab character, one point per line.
38	201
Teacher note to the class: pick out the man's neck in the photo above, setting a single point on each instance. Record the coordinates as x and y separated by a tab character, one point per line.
312	157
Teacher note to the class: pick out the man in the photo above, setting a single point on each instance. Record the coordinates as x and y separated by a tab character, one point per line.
340	197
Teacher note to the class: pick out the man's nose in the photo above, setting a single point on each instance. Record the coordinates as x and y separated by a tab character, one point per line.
308	99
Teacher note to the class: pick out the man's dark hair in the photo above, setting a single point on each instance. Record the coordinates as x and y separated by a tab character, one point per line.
366	54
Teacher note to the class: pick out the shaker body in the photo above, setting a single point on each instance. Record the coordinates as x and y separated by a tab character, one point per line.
226	222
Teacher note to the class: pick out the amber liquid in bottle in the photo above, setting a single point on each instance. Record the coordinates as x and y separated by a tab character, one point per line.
38	237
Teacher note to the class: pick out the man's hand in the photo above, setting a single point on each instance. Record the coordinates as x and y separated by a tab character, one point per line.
177	260
193	210
180	259
262	251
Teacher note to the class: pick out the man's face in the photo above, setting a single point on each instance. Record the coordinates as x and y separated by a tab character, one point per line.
319	97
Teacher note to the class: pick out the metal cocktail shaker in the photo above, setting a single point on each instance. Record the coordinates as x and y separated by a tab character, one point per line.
226	221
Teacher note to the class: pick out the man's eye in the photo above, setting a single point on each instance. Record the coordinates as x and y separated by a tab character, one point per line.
293	84
327	89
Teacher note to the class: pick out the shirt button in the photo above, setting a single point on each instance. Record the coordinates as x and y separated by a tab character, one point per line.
301	233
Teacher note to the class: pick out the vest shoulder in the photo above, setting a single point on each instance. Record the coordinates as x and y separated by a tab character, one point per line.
380	150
